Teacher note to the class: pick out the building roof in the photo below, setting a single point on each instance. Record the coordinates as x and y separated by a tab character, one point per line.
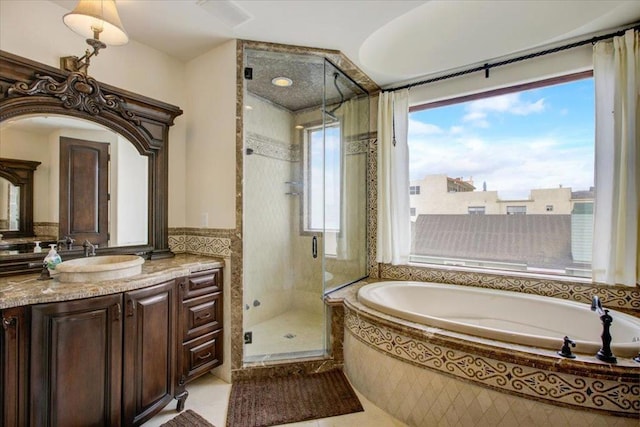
584	194
542	241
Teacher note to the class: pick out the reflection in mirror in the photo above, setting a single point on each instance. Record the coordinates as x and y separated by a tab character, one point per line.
38	138
9	206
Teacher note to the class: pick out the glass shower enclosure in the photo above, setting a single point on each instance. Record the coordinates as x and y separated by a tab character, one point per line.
306	135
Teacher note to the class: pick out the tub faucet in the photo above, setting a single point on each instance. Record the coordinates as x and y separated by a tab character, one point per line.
89	249
604	353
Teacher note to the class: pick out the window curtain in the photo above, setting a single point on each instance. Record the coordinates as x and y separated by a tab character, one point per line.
394	221
617	176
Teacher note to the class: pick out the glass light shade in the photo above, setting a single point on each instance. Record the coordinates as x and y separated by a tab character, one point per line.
89	14
282	81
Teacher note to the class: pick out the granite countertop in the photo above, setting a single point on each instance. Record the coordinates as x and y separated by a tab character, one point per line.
26	289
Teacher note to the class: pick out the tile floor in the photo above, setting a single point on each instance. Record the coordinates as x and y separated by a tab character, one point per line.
209	396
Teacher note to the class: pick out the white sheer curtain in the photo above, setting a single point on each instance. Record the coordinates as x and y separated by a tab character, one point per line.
616	231
394	222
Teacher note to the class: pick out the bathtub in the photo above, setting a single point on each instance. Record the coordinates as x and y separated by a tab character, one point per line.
512	317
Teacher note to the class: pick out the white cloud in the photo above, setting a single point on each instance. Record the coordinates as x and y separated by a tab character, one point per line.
417	128
512	167
479	110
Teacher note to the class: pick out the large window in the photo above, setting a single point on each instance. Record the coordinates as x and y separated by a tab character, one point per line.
498	157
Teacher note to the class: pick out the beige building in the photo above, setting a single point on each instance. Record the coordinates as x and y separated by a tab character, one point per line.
439	194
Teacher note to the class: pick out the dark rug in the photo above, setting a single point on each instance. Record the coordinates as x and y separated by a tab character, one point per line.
188	419
266	402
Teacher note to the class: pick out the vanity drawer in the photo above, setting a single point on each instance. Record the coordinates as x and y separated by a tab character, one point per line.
203	282
201	315
201	354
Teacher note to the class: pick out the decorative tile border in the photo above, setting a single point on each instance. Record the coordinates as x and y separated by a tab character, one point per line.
45	228
618	297
359	144
372	221
210	242
618	396
269	147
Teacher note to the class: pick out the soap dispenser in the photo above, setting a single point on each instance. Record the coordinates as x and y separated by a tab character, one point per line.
37	248
52	259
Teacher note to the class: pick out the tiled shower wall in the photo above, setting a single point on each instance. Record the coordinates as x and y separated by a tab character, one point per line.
268	276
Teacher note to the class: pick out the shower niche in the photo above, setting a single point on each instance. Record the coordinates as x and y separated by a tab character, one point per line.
306	139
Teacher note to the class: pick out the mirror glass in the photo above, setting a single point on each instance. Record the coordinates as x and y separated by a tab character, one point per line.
9	206
37	138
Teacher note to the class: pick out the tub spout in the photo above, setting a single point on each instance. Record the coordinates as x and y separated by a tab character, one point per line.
596	305
604	353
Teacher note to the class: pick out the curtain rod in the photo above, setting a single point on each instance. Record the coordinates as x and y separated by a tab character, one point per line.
487	66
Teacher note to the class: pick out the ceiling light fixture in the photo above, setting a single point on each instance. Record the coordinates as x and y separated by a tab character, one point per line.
97	20
282	81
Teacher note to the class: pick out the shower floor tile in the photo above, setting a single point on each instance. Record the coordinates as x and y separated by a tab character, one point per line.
293	332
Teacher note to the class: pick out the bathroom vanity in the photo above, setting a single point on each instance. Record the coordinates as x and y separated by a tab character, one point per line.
108	353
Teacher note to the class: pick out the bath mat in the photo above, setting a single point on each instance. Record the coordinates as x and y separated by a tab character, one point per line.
266	402
188	419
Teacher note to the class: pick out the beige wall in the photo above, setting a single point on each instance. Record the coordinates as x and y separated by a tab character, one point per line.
210	154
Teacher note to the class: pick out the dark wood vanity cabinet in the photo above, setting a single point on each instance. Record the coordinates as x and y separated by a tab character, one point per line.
200	323
14	369
111	360
149	361
76	362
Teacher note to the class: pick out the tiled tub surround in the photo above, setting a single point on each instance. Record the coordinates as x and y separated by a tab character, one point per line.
22	290
429	376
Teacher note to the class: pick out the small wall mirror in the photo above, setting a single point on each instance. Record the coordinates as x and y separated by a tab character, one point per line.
16	196
9	206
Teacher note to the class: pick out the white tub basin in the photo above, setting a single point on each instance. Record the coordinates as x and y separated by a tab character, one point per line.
92	269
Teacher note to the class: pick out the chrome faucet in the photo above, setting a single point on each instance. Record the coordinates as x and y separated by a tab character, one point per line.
604	353
89	248
67	242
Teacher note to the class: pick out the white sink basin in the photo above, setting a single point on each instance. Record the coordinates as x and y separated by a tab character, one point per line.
93	269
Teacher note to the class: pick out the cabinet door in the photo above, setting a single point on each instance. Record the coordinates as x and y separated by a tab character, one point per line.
149	351
76	362
14	360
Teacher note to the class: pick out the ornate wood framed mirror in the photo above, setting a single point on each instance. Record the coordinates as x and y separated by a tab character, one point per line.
28	88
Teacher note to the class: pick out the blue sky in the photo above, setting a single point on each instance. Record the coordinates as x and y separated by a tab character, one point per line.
541	138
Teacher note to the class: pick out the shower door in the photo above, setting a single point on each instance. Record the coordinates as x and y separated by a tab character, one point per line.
296	220
346	144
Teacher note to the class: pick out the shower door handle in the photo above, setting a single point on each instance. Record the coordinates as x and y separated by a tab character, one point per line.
314	246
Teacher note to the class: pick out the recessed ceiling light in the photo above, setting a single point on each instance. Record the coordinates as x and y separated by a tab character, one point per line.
282	81
248	107
299	127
